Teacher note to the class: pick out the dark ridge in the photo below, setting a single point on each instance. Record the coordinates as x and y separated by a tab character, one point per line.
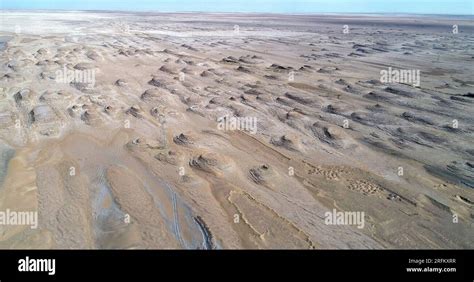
384	148
450	174
414	118
230	60
276	67
460	99
399	92
207	244
305	100
243	69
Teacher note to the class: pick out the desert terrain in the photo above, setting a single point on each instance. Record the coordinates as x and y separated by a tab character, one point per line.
136	156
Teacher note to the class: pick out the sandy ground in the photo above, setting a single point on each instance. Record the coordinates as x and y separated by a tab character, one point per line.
138	159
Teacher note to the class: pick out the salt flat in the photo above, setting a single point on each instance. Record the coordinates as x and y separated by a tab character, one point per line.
236	130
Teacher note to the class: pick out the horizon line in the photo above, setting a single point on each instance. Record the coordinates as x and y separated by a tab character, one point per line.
240	12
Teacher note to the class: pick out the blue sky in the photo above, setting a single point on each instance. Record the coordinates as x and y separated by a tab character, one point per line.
454	7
